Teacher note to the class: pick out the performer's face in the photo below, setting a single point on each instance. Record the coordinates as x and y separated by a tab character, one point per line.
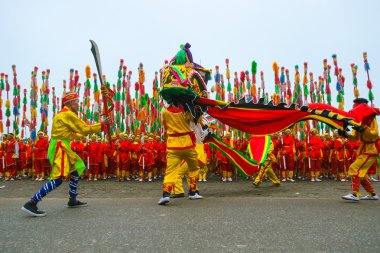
74	106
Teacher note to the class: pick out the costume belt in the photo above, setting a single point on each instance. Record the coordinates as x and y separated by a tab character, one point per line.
180	134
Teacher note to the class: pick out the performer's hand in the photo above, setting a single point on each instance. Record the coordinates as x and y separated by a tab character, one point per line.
103	89
342	133
107	121
360	129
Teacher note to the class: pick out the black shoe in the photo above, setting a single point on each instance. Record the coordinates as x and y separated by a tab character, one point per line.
256	184
176	196
73	202
31	208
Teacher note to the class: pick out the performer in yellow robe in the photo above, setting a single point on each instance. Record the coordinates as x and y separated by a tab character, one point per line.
180	147
66	126
367	155
193	175
266	169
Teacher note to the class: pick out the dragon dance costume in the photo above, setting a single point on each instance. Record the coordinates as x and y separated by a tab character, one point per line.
184	83
192	176
367	155
260	148
180	147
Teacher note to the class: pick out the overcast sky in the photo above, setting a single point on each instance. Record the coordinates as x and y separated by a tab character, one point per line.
55	35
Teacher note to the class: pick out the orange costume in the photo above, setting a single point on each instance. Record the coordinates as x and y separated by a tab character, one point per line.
11	154
315	153
326	149
124	159
41	150
288	151
111	154
367	154
341	156
21	165
146	159
302	168
134	150
79	148
93	149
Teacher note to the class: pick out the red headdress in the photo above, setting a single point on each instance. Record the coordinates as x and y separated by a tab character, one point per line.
69	97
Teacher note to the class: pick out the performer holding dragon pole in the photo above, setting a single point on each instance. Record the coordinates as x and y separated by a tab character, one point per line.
181	76
367	153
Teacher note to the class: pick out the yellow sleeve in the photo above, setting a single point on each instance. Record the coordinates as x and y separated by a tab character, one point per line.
78	136
271	156
371	132
189	116
354	136
80	127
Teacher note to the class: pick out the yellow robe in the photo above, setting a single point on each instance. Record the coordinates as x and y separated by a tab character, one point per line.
67	126
367	151
180	145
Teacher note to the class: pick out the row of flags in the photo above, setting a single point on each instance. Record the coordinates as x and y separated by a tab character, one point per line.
137	111
303	89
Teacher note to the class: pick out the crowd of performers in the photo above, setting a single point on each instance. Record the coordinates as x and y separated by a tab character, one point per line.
143	157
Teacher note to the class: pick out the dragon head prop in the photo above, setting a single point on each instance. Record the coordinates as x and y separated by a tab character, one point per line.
182	80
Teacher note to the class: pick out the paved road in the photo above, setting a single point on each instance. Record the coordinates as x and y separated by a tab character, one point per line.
233	217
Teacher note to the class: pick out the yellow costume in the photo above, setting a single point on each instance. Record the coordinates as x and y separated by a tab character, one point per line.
367	151
367	155
67	126
192	176
266	168
180	145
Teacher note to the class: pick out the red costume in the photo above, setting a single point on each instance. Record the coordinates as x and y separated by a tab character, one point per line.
146	159
40	155
11	151
341	157
326	166
22	154
288	151
93	149
314	151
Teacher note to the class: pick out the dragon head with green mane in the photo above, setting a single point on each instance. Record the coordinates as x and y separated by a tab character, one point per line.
182	80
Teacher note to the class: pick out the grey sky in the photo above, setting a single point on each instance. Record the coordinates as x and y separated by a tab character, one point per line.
55	35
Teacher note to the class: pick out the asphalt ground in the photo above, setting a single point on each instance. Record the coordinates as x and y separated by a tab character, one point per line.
232	217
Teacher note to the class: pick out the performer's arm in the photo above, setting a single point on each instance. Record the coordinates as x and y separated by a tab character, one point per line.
371	131
79	126
271	156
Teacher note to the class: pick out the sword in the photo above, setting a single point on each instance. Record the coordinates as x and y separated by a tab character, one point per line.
104	89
